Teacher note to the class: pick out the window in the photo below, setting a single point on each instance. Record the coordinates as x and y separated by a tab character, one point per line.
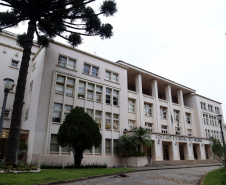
211	120
108	75
164	129
98	118
215	122
15	63
132	124
163	112
189	131
95	71
107	121
107	146
176	116
177	130
54	147
217	110
115	121
66	62
65	149
203	105
114	77
108	96
90	70
86	69
148	126
7	114
56	117
89	151
70	87
62	61
188	118
90	112
115	97
131	106
81	90
111	76
208	133
67	110
98	150
115	148
90	92
210	108
71	64
98	94
147	109
205	119
59	89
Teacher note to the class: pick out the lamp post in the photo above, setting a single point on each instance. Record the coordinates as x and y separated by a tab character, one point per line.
8	84
219	117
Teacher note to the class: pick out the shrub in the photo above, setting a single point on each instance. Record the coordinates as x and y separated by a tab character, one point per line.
51	166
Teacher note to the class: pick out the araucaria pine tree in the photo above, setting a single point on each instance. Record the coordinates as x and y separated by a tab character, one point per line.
69	19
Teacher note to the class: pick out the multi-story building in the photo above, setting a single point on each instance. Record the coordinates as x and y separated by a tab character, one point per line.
119	97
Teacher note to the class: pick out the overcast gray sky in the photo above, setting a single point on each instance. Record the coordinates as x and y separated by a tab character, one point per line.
182	40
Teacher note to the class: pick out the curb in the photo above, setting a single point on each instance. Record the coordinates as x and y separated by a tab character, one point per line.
135	170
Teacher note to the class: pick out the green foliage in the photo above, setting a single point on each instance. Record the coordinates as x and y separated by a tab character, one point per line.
89	165
216	177
20	167
22	146
79	132
51	166
55	18
53	175
218	149
21	39
125	145
138	138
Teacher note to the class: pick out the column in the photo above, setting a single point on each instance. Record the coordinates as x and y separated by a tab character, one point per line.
181	103
170	108
140	102
156	108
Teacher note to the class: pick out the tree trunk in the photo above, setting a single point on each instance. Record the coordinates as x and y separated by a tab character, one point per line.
78	159
14	135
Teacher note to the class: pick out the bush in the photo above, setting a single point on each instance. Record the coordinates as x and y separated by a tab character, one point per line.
51	166
19	167
139	154
94	165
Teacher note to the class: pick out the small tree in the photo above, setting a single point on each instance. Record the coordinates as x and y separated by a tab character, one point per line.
140	138
218	149
125	145
79	132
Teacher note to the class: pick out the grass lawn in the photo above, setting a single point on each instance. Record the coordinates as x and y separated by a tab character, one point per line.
216	177
51	175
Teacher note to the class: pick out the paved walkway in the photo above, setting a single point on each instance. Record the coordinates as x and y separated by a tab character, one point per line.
167	176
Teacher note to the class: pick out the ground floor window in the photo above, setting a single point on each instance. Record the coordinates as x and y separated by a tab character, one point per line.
107	146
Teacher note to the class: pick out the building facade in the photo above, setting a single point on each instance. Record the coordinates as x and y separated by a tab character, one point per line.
119	97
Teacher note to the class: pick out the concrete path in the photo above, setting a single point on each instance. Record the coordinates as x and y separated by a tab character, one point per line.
155	177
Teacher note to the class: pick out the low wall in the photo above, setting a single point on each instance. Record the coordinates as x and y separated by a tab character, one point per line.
68	160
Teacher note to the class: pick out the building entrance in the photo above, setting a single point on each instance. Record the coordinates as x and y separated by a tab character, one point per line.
165	152
149	153
3	144
181	150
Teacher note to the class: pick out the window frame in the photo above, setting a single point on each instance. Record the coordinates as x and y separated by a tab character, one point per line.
131	106
66	63
147	109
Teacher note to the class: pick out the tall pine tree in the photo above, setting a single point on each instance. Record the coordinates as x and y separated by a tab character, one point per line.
69	19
